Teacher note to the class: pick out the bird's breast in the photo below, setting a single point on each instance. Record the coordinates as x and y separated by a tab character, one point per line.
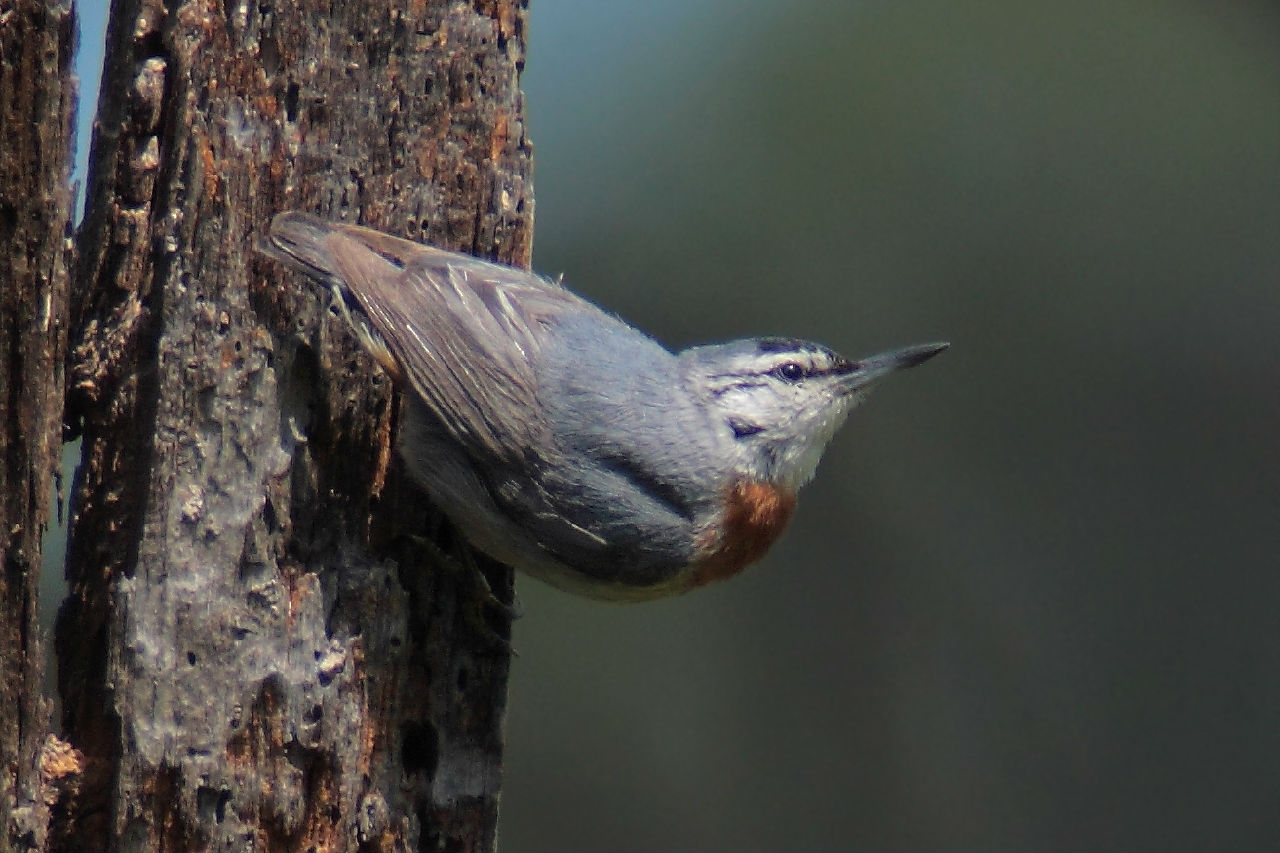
755	514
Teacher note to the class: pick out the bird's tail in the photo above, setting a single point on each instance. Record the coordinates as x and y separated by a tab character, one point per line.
306	243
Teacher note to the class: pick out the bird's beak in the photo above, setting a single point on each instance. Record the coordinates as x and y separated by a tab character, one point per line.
868	371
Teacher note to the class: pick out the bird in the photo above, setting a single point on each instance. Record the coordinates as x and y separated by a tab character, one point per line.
564	442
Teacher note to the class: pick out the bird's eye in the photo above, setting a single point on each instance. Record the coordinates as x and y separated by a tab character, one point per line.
790	371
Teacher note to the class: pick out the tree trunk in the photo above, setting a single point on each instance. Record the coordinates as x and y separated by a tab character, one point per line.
37	117
256	652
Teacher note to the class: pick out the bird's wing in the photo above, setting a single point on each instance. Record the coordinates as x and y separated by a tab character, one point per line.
461	332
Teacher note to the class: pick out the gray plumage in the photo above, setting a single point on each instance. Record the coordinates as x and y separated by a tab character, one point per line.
559	439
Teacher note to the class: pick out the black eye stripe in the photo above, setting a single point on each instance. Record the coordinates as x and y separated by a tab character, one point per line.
791	371
794	371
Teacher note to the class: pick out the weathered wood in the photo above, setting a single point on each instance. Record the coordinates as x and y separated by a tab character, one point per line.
255	654
37	111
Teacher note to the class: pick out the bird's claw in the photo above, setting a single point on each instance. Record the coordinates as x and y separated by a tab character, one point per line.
480	604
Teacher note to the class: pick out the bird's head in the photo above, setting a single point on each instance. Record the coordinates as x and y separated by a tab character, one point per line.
783	399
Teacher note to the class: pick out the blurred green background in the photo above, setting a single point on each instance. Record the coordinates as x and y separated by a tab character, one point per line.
1032	600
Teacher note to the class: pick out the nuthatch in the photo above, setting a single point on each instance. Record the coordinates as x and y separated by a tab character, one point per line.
565	443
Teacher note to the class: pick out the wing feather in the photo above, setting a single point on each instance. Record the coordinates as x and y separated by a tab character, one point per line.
463	333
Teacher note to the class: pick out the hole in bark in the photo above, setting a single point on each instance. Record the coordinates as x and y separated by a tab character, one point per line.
205	398
269	54
314	714
206	802
211	803
291	102
420	748
151	43
191	658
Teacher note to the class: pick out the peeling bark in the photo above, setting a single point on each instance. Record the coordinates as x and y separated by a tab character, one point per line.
37	117
256	652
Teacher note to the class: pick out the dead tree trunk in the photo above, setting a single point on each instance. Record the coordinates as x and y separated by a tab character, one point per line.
256	653
37	108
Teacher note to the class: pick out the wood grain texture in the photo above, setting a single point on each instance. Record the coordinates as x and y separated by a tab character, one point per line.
37	114
256	653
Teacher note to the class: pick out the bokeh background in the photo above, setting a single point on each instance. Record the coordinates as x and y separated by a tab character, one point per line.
1032	600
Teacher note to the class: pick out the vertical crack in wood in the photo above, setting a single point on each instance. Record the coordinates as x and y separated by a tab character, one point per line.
37	114
256	651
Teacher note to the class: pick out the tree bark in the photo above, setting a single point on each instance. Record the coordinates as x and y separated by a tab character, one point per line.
256	652
37	116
